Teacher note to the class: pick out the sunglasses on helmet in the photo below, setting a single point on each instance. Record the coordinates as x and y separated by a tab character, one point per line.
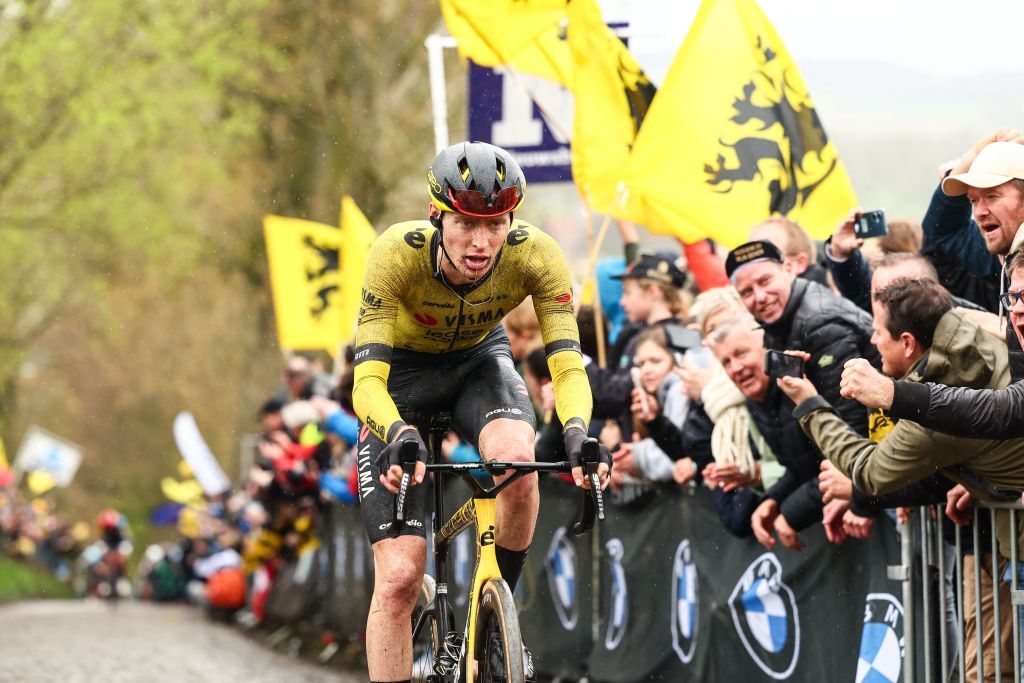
476	204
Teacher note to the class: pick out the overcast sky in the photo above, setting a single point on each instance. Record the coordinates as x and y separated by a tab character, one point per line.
939	37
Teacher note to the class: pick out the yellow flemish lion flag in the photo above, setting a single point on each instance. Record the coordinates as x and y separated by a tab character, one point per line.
304	276
733	137
357	234
612	96
524	34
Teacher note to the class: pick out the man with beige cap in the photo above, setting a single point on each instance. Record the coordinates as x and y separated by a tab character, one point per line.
991	174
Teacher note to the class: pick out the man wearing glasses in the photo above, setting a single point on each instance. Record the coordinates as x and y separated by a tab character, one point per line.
995	186
429	340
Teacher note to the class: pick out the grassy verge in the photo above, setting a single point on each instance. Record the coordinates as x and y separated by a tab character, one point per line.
18	580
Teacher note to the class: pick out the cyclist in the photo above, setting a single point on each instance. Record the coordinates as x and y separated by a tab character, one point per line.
429	340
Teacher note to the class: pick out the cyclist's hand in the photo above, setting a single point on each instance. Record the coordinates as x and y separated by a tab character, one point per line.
574	438
392	477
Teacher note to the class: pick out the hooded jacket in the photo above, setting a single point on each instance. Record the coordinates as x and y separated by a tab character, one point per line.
961	354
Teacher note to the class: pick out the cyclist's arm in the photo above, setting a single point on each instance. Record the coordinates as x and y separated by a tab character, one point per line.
374	340
552	300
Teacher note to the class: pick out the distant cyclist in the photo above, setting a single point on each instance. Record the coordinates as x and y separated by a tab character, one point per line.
430	341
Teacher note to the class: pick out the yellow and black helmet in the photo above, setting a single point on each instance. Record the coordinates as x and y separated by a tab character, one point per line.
476	179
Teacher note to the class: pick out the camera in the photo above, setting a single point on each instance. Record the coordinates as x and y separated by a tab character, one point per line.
779	364
871	224
682	339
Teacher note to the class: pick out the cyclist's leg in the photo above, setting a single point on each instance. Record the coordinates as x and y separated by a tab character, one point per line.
398	574
494	411
398	567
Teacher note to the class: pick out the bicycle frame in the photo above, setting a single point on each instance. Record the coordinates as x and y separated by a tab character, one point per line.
479	511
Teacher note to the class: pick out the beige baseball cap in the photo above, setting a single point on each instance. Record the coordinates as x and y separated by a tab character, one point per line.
995	164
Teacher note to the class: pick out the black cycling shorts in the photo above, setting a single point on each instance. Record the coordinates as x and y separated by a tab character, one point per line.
475	386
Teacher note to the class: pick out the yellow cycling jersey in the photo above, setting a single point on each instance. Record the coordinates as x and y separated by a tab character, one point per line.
406	306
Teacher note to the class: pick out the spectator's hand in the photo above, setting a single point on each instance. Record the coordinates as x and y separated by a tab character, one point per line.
694	379
644	405
856	526
731	477
833	484
622	460
832	520
844	239
611	435
684	470
449	444
960	505
547	397
864	384
324	406
1001	135
902	515
787	535
762	522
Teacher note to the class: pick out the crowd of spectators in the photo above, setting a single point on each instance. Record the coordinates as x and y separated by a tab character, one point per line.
903	350
897	381
31	530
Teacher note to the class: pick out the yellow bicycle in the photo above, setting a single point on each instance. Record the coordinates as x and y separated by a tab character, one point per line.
492	647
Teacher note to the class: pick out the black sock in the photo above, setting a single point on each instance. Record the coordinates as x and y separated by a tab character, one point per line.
404	680
510	562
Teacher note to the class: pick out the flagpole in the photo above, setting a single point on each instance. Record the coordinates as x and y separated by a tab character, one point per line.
602	354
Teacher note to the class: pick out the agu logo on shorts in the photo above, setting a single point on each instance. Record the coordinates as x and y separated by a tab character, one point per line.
684	603
765	615
560	565
881	641
618	605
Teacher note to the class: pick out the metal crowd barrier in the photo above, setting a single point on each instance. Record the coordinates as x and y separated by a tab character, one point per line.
930	583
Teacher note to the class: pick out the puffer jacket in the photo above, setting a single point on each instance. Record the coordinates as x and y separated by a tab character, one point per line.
833	330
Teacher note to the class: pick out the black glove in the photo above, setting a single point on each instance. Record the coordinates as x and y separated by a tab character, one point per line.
391	453
574	437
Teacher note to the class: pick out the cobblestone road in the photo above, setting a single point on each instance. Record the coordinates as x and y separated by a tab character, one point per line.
72	642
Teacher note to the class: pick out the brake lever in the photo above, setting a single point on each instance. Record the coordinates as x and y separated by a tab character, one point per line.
593	504
407	459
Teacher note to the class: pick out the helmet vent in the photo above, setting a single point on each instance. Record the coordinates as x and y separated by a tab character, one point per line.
464	169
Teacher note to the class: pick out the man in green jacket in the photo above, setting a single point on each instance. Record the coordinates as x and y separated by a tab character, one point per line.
921	338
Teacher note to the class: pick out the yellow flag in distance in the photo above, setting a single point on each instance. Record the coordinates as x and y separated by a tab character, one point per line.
612	96
303	258
525	34
733	137
357	234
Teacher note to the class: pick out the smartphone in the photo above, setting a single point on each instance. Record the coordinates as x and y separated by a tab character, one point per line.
682	339
871	224
778	364
639	385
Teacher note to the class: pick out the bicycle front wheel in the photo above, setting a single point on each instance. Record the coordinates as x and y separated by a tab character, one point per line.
499	643
426	643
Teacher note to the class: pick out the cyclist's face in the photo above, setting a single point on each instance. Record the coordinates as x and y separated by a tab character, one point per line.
472	244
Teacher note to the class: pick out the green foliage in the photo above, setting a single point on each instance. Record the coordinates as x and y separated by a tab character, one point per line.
20	580
143	142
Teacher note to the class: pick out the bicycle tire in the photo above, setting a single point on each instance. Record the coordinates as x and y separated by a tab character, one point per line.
426	647
499	642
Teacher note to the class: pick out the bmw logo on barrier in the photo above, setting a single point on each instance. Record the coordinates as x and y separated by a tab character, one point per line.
561	568
881	641
765	615
684	603
618	605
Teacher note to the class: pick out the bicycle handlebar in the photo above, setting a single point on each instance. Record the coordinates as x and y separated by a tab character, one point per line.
591	505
